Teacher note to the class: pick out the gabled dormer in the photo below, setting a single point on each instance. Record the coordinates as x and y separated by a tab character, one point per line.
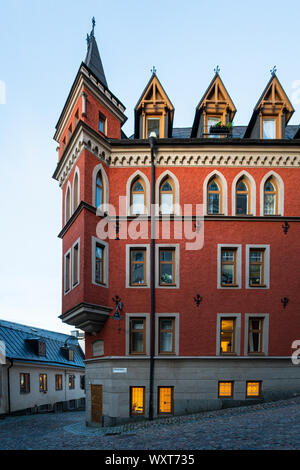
216	108
271	113
154	112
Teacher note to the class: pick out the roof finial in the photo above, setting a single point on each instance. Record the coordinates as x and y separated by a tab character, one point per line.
153	70
273	70
217	70
93	27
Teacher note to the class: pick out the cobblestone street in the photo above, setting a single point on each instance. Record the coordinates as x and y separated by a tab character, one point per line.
268	426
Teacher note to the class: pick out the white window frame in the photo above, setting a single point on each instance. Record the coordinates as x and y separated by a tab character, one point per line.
128	317
76	172
238	266
177	265
176	201
105	245
252	188
78	264
265	338
237	339
69	252
135	175
223	183
70	208
266	249
280	193
174	316
105	191
128	266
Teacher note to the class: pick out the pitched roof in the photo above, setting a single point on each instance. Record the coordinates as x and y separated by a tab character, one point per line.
16	338
93	60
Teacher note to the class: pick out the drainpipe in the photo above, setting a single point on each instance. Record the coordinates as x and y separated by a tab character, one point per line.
152	141
8	385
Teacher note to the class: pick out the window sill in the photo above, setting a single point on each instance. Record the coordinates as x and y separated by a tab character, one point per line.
226	286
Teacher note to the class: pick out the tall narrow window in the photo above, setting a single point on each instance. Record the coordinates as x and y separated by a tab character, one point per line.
242	197
227	336
166	195
137	336
165	400
167	266
24	383
166	335
68	205
256	267
58	382
138	267
153	125
214	197
228	267
99	264
75	192
102	120
269	129
43	383
255	335
270	197
212	121
71	382
138	197
99	189
137	400
67	272
75	264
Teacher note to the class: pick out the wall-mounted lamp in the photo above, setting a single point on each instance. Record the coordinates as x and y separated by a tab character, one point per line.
119	306
285	301
285	227
198	299
117	228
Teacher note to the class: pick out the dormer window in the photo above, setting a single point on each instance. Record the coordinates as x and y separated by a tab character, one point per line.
41	348
153	125
212	121
102	122
269	128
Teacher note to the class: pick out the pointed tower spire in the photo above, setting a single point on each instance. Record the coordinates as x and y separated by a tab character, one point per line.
93	60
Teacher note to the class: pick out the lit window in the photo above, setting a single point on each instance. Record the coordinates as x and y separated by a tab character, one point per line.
256	267
24	383
214	197
255	335
153	125
43	382
166	194
269	128
138	267
228	267
253	389
137	335
167	266
226	389
165	400
270	197
242	197
227	336
138	198
71	382
166	335
58	382
137	400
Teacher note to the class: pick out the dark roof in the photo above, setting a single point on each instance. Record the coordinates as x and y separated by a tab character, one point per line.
93	60
18	345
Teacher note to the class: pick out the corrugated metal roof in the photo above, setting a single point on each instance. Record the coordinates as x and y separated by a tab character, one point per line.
16	336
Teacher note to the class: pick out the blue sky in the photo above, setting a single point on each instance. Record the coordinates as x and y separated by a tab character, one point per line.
42	44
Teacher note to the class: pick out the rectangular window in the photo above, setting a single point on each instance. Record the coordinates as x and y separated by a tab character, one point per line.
137	267
253	389
99	265
75	264
153	125
167	335
102	120
212	121
67	272
71	382
269	129
24	383
228	267
43	383
137	400
137	335
58	382
167	266
256	267
225	389
82	382
227	336
165	400
255	335
41	348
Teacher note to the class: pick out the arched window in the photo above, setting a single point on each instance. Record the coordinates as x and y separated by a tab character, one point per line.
270	197
68	204
138	197
166	196
242	197
99	189
75	192
214	196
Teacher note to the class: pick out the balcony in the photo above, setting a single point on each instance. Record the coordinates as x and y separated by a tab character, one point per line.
87	317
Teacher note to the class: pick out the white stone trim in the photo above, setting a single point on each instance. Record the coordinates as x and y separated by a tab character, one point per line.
266	267
163	175
265	339
76	172
130	180
238	265
176	339
280	193
105	182
72	264
106	261
127	335
237	338
252	192
127	267
224	208
177	265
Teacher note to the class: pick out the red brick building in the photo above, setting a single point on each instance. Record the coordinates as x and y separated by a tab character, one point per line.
171	329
